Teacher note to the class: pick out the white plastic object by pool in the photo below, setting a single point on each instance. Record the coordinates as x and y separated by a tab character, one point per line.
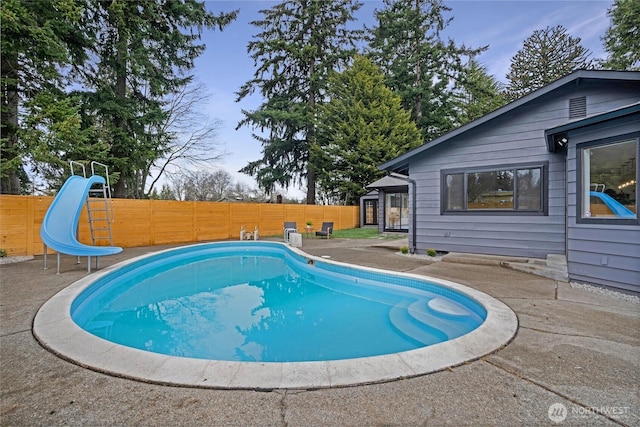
295	240
57	331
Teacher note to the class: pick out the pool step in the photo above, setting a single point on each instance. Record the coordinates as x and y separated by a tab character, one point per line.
440	314
413	328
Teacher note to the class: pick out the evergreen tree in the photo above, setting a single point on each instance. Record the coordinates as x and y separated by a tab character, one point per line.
622	39
546	56
478	93
53	133
144	52
140	55
420	66
299	44
39	39
362	125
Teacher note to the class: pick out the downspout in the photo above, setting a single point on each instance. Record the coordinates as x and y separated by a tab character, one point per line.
413	207
413	212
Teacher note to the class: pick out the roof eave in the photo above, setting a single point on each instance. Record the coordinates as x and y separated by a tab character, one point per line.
402	162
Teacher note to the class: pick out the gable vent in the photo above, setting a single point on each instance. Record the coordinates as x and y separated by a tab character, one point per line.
578	107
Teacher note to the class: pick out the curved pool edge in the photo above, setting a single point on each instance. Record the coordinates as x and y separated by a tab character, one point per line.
57	332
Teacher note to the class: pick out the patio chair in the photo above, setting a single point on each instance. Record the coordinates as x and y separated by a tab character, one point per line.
289	227
327	229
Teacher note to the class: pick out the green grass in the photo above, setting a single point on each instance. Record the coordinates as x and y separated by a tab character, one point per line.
363	233
353	233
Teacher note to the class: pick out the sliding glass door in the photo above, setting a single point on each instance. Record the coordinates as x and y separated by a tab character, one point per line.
396	213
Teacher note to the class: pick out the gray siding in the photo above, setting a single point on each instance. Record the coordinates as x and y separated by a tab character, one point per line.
512	138
605	254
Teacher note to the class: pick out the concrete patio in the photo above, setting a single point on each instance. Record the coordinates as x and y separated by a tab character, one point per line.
574	361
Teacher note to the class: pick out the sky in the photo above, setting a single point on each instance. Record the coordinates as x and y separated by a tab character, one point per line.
502	25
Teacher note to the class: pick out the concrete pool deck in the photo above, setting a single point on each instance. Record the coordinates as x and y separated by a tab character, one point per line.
575	359
55	330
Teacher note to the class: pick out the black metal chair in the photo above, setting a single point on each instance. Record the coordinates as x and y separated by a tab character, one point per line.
327	229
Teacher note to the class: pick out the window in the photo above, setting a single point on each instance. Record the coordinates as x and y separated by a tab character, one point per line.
507	189
396	215
607	184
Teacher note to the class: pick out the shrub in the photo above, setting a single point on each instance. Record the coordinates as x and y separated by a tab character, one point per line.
432	252
404	249
3	253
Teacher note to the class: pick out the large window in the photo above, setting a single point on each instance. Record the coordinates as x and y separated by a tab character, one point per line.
396	215
506	189
607	185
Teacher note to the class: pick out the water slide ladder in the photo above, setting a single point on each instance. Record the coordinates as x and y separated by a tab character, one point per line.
99	204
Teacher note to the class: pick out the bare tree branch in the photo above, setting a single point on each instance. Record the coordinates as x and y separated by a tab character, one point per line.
193	135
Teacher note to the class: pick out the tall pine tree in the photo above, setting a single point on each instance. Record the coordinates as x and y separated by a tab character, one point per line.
478	93
125	58
144	52
622	39
39	39
546	55
362	125
420	66
300	42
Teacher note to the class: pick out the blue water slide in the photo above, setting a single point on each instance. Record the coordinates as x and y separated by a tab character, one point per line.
60	223
620	210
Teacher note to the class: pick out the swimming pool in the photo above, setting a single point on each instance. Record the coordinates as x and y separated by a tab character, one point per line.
262	302
263	315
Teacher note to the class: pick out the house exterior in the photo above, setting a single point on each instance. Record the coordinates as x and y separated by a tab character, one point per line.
386	205
553	172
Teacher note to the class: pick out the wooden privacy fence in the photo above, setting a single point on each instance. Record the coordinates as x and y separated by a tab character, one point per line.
159	222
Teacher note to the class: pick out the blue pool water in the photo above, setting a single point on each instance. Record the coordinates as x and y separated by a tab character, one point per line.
261	301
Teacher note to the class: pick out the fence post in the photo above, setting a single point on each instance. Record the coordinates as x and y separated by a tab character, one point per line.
31	207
